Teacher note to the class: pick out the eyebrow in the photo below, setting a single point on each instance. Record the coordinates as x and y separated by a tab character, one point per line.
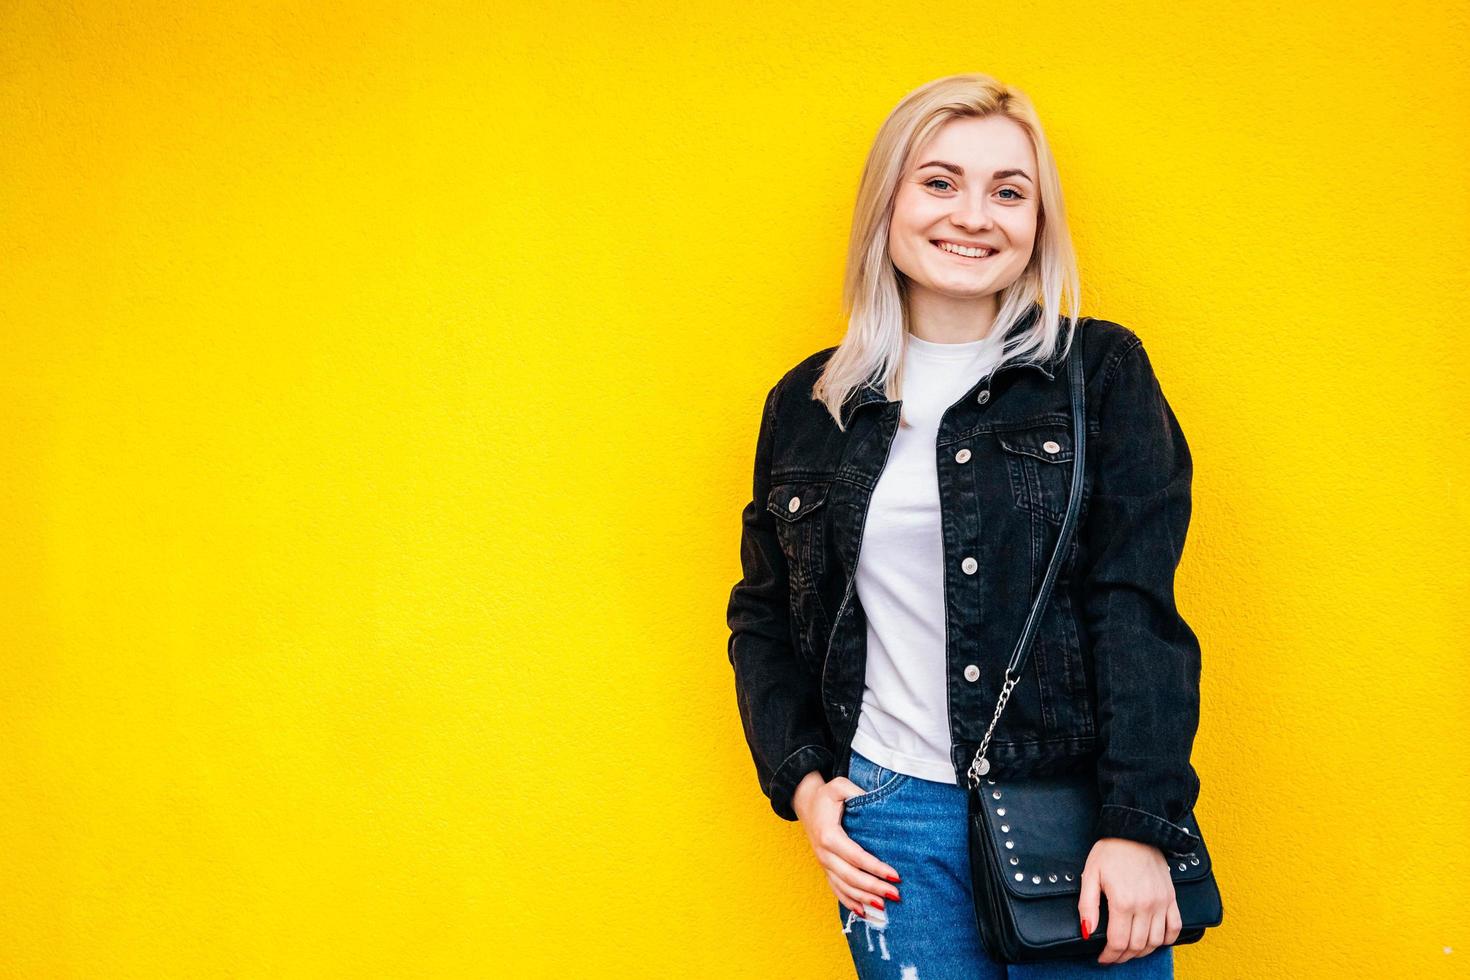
959	171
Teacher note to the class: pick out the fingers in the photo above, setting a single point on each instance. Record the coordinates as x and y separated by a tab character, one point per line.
865	869
1173	923
859	879
1143	913
1158	928
1120	934
1138	933
1138	936
1134	934
859	901
1087	901
856	889
863	874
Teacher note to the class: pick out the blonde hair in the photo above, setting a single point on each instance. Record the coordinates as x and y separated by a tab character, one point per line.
873	292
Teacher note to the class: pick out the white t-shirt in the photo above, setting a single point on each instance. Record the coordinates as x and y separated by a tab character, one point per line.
904	721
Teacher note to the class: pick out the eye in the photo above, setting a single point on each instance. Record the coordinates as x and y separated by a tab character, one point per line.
1019	196
930	182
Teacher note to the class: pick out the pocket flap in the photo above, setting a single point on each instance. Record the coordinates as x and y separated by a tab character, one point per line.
1051	444
794	500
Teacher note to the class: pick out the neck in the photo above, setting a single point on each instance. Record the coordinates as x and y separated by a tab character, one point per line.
950	320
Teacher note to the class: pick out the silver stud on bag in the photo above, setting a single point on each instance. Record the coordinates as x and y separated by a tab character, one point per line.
1007	828
1010	843
1194	860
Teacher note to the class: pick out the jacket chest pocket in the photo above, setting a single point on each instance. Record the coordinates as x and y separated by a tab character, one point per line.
1039	461
801	519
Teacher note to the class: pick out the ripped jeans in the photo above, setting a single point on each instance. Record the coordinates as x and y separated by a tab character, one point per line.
919	827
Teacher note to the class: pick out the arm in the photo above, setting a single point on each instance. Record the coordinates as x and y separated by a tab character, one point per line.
1147	657
780	704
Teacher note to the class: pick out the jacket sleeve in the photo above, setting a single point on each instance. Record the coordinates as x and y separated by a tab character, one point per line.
780	704
1147	657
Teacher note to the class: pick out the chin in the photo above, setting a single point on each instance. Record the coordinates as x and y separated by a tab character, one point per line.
963	294
964	290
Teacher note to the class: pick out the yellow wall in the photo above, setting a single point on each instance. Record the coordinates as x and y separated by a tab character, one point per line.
379	391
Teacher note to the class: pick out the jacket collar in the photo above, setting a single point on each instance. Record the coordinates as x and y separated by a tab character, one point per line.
871	391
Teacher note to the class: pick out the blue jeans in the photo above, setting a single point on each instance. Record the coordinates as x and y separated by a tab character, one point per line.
919	826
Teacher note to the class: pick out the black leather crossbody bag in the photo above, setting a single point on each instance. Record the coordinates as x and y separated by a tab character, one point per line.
1030	837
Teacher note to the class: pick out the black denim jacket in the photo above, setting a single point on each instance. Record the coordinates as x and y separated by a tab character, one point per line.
1112	683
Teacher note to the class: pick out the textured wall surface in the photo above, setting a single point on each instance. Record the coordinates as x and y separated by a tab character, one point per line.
380	384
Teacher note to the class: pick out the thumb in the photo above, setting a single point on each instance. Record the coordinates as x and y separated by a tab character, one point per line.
1087	902
848	788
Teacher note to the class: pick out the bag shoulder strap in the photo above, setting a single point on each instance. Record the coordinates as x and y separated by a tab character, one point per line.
981	765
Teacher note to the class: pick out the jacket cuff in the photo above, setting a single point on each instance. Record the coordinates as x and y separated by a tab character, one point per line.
792	771
1116	820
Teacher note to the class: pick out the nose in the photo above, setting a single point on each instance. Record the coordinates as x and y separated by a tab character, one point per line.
972	212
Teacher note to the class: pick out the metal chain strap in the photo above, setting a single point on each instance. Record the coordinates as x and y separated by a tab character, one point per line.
981	765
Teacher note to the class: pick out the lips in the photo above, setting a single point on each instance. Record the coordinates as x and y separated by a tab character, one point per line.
955	246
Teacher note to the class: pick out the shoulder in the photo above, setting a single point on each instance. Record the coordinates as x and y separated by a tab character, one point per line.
804	373
1113	351
1107	341
1126	379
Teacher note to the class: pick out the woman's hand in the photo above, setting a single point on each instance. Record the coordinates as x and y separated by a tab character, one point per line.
856	877
1142	912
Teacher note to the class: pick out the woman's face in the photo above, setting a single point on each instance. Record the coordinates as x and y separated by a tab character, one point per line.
974	183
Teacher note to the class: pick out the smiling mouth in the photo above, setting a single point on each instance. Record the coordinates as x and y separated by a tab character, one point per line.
963	252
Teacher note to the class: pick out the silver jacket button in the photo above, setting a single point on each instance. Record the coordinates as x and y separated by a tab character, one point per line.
1051	447
983	397
972	673
794	504
969	565
963	456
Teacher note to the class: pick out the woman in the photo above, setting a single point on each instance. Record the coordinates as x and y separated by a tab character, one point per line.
909	487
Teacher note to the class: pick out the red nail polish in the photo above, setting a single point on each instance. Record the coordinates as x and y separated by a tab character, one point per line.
892	878
892	896
876	904
1086	931
861	913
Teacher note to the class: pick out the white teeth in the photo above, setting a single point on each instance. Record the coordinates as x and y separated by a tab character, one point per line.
973	253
